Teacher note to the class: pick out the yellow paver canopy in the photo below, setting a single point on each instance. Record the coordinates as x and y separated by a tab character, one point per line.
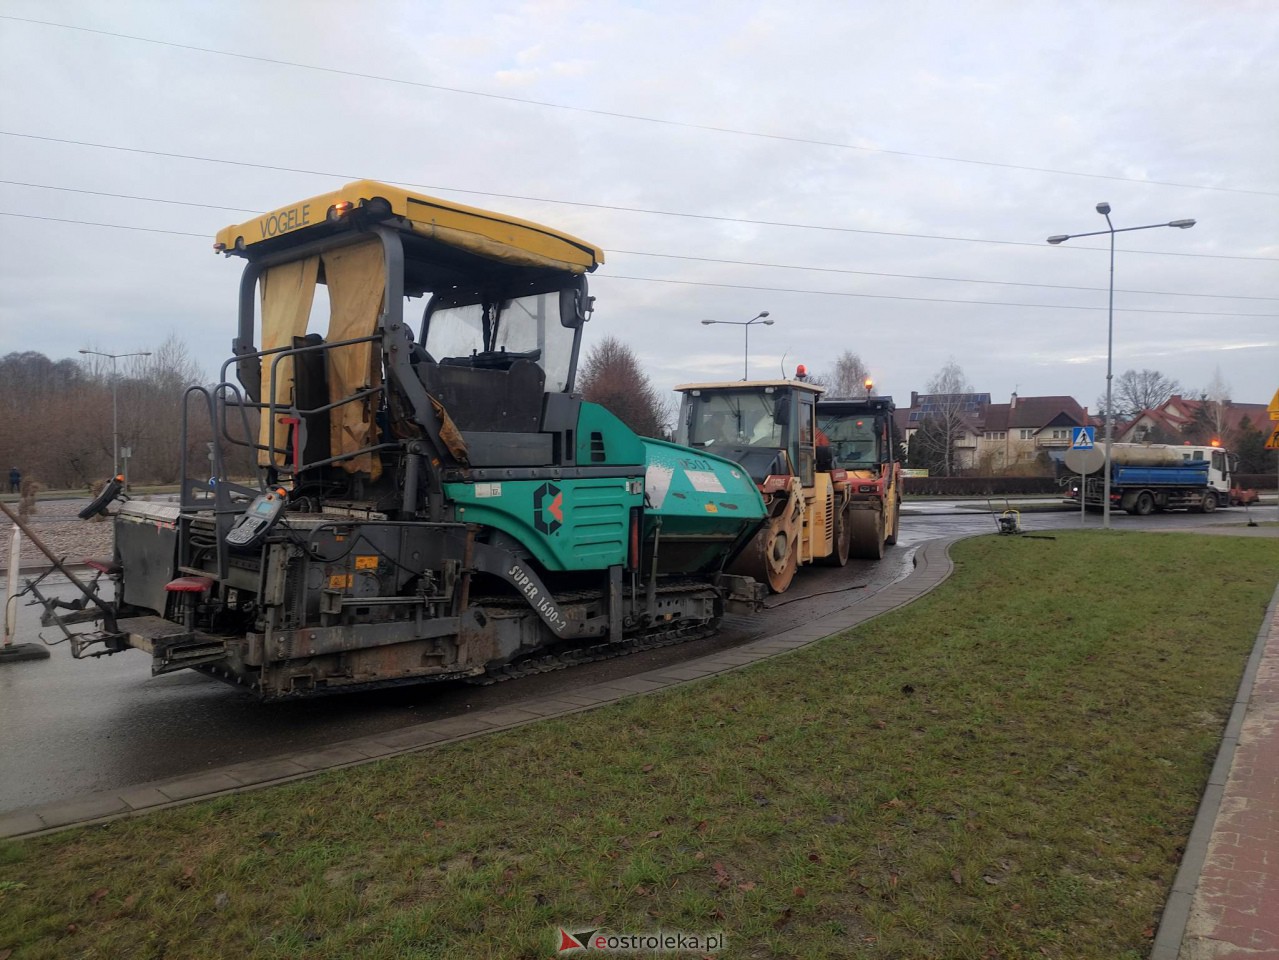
494	236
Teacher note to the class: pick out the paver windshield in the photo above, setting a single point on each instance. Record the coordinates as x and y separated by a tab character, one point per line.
528	327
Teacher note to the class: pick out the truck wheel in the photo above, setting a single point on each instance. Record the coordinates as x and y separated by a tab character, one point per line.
1209	502
1145	504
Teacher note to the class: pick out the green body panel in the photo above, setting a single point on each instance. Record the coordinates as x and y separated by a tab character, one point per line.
699	505
704	504
565	524
568	524
604	439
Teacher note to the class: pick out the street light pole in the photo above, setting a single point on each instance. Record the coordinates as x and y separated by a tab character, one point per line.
746	352
115	409
1104	209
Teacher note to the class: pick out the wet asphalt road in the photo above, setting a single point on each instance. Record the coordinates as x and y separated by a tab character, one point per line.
69	727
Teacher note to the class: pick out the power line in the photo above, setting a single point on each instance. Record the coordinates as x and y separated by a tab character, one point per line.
729	286
113	226
274	61
978	303
671	256
916	276
599	206
128	196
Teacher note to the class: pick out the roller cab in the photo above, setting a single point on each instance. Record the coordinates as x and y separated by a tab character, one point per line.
860	438
769	428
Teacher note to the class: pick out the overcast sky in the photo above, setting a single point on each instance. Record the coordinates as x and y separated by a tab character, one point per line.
880	177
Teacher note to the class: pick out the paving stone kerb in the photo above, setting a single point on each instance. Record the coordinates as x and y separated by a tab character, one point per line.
1224	901
932	566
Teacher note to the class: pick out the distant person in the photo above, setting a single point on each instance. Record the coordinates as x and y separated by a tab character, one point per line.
15	480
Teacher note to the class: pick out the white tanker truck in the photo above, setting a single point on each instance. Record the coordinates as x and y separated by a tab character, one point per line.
1147	477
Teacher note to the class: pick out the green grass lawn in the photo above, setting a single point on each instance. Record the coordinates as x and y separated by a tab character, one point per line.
1007	768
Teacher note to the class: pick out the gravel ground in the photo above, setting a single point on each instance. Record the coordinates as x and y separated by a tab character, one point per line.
58	528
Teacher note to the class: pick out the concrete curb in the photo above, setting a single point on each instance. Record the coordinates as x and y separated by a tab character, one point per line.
932	566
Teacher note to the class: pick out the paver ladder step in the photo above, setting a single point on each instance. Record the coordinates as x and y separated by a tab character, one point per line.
172	645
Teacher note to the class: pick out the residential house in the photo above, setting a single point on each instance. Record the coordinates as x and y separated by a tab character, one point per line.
1178	417
993	437
1024	429
964	410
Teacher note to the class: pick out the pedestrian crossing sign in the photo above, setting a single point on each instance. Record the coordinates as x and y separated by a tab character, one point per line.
1082	438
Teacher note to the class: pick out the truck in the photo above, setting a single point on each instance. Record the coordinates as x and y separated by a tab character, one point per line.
431	500
769	428
862	440
1146	478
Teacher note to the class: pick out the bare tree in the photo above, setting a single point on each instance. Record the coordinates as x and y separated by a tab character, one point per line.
950	380
48	410
945	420
156	386
149	391
611	376
56	415
1134	392
848	376
1214	402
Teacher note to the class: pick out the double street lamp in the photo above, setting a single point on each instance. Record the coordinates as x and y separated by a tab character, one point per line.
746	325
115	414
1104	209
